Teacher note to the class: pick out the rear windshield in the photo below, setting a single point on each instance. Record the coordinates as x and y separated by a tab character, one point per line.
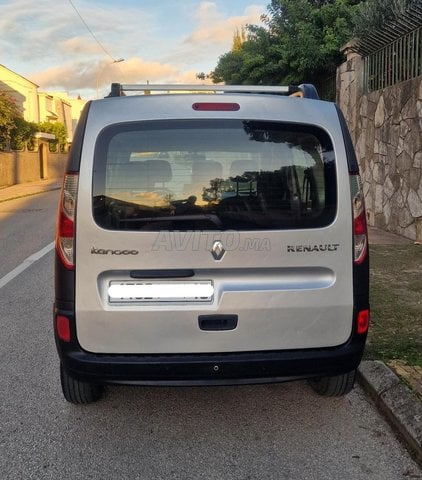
213	175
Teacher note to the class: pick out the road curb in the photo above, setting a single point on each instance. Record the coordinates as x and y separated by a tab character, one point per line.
396	401
28	194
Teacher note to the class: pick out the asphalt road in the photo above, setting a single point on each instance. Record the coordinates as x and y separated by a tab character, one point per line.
26	226
250	432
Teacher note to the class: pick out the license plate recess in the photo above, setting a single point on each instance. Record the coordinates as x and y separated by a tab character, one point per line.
160	291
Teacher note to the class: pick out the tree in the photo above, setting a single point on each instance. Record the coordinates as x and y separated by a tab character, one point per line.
299	42
230	61
375	14
228	68
58	130
201	76
239	38
254	63
22	132
9	112
15	131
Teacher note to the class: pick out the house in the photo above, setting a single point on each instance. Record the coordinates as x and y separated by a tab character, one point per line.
55	109
23	91
69	109
41	106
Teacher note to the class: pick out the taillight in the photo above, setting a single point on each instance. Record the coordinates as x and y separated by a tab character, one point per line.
360	233
362	323
65	231
63	328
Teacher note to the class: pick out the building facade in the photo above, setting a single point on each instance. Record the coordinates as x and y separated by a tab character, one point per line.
23	91
41	106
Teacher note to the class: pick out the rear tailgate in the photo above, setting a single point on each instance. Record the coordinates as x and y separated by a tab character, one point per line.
141	286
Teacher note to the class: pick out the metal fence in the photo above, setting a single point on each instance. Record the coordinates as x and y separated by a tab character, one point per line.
396	62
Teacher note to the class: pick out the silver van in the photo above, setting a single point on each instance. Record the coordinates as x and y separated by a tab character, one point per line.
210	235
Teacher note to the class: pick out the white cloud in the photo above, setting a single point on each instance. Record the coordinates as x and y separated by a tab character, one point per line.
213	34
42	30
57	52
78	46
208	12
214	28
138	70
82	75
70	76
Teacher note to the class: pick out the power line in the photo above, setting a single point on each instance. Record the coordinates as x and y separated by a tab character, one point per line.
91	32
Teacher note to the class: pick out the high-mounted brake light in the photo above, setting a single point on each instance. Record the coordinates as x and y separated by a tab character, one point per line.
65	231
216	107
360	233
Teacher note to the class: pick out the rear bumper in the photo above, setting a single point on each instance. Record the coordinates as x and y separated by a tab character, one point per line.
209	369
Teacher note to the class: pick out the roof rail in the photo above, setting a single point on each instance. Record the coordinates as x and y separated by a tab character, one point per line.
305	90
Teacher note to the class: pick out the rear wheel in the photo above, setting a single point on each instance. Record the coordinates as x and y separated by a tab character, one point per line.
78	392
335	386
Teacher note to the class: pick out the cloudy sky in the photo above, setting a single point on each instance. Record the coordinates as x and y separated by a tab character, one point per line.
160	40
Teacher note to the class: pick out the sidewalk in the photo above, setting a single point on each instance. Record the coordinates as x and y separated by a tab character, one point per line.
27	189
400	405
381	237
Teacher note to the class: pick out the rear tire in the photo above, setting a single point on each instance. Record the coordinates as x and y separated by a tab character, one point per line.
78	392
334	386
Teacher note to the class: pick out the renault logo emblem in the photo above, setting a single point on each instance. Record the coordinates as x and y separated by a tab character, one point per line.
217	250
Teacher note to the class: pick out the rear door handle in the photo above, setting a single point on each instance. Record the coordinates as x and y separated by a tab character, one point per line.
216	323
162	273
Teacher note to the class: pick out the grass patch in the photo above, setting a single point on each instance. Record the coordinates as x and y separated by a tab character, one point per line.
396	304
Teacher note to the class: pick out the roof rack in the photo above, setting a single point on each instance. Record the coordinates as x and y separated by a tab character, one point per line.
305	90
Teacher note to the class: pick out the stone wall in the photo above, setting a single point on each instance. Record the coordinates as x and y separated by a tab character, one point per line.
20	167
386	128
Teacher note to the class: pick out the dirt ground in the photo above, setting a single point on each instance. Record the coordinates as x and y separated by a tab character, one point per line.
396	303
